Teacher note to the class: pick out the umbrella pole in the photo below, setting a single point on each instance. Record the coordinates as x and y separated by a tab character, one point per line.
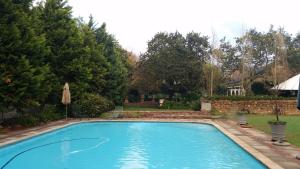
66	111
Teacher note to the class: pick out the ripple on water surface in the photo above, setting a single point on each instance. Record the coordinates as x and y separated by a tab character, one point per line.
129	145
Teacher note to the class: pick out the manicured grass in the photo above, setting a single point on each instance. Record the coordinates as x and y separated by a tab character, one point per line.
293	126
140	108
149	108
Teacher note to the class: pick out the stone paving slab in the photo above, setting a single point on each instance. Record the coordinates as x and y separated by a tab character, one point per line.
284	156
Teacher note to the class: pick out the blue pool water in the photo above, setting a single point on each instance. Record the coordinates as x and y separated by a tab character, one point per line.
129	145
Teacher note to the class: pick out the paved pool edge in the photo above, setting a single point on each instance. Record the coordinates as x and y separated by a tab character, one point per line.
256	154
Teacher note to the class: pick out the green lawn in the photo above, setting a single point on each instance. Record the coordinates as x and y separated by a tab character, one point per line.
147	108
140	108
293	126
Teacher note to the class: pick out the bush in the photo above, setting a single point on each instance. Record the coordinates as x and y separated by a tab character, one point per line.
191	96
148	97
241	98
181	105
134	96
221	89
93	105
35	117
259	88
28	121
195	105
49	113
175	105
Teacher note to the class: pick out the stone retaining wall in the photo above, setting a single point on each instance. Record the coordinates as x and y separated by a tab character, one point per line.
288	107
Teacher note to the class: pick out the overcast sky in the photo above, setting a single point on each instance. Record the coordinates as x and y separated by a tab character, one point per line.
135	22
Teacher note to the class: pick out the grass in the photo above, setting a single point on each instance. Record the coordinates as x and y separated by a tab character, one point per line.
292	131
147	108
140	108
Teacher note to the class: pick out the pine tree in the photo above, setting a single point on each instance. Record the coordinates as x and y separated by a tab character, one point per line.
116	86
68	58
23	74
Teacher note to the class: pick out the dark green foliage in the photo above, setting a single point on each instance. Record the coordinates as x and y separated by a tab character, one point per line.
294	61
34	116
258	97
67	59
191	96
195	105
23	73
259	88
134	96
177	105
49	113
42	47
116	86
173	63
181	105
221	89
93	105
148	97
28	121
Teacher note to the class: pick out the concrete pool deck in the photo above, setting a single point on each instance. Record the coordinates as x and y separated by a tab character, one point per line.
255	142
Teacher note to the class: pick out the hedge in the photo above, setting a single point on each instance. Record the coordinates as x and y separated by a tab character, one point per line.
242	98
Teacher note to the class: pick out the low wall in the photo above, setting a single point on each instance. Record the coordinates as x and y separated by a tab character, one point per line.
288	107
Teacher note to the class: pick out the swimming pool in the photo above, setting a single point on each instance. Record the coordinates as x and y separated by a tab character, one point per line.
129	145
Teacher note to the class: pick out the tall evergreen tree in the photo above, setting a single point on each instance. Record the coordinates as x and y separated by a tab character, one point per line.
116	85
95	55
23	73
68	60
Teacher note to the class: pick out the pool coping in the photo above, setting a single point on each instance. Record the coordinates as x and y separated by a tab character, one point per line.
252	151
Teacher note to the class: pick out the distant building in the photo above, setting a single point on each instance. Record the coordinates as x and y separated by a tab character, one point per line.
234	87
291	84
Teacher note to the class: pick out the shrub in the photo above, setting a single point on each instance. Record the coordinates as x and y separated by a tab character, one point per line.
240	98
34	116
175	105
259	88
25	121
181	105
221	89
134	96
195	105
28	121
148	97
191	96
177	97
93	105
49	113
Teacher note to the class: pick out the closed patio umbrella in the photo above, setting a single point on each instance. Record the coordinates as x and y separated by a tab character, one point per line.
66	97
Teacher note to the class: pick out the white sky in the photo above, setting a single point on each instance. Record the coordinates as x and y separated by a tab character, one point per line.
135	22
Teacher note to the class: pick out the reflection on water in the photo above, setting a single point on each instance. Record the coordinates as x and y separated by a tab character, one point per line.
135	155
128	145
65	149
72	147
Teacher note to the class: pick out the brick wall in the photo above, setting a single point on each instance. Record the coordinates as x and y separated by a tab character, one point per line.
258	106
